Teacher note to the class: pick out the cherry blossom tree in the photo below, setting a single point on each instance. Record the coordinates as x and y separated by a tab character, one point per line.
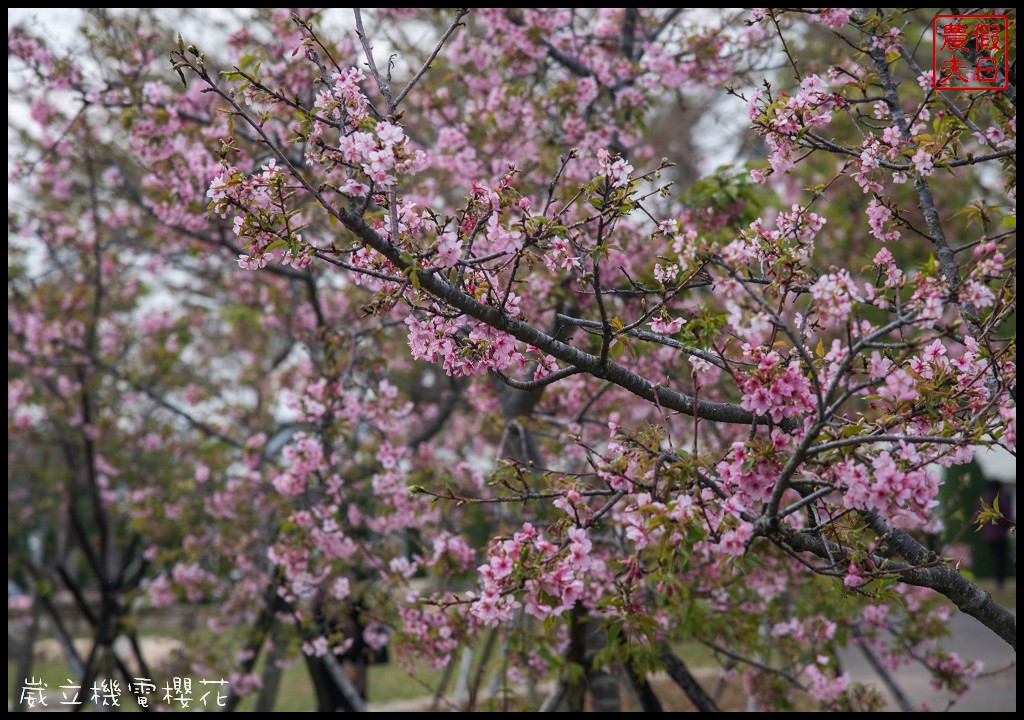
415	329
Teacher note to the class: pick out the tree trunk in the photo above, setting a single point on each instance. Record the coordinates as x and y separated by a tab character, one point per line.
682	677
604	685
26	649
271	672
642	691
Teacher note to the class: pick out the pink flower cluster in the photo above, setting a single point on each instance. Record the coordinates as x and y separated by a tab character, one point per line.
893	486
464	346
774	389
249	192
616	171
878	216
345	102
781	121
994	135
817	630
646	520
750	475
556	590
427	634
380	157
303	458
825	687
833	18
230	190
950	671
893	275
923	162
795	232
734	542
449	250
451	551
668	326
834	295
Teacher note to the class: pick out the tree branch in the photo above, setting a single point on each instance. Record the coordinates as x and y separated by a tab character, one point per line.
456	23
682	677
967	596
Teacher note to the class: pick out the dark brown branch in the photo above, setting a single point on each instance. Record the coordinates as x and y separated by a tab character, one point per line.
967	596
649	702
443	290
257	634
627	41
682	677
445	410
539	382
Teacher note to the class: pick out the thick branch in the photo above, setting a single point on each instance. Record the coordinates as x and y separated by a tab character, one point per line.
649	702
443	290
682	677
611	371
444	411
650	337
967	596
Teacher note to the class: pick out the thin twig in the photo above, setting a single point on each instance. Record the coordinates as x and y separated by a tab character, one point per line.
456	23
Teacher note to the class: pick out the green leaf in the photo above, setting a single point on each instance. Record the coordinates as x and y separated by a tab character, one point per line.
575	673
614	630
616	349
